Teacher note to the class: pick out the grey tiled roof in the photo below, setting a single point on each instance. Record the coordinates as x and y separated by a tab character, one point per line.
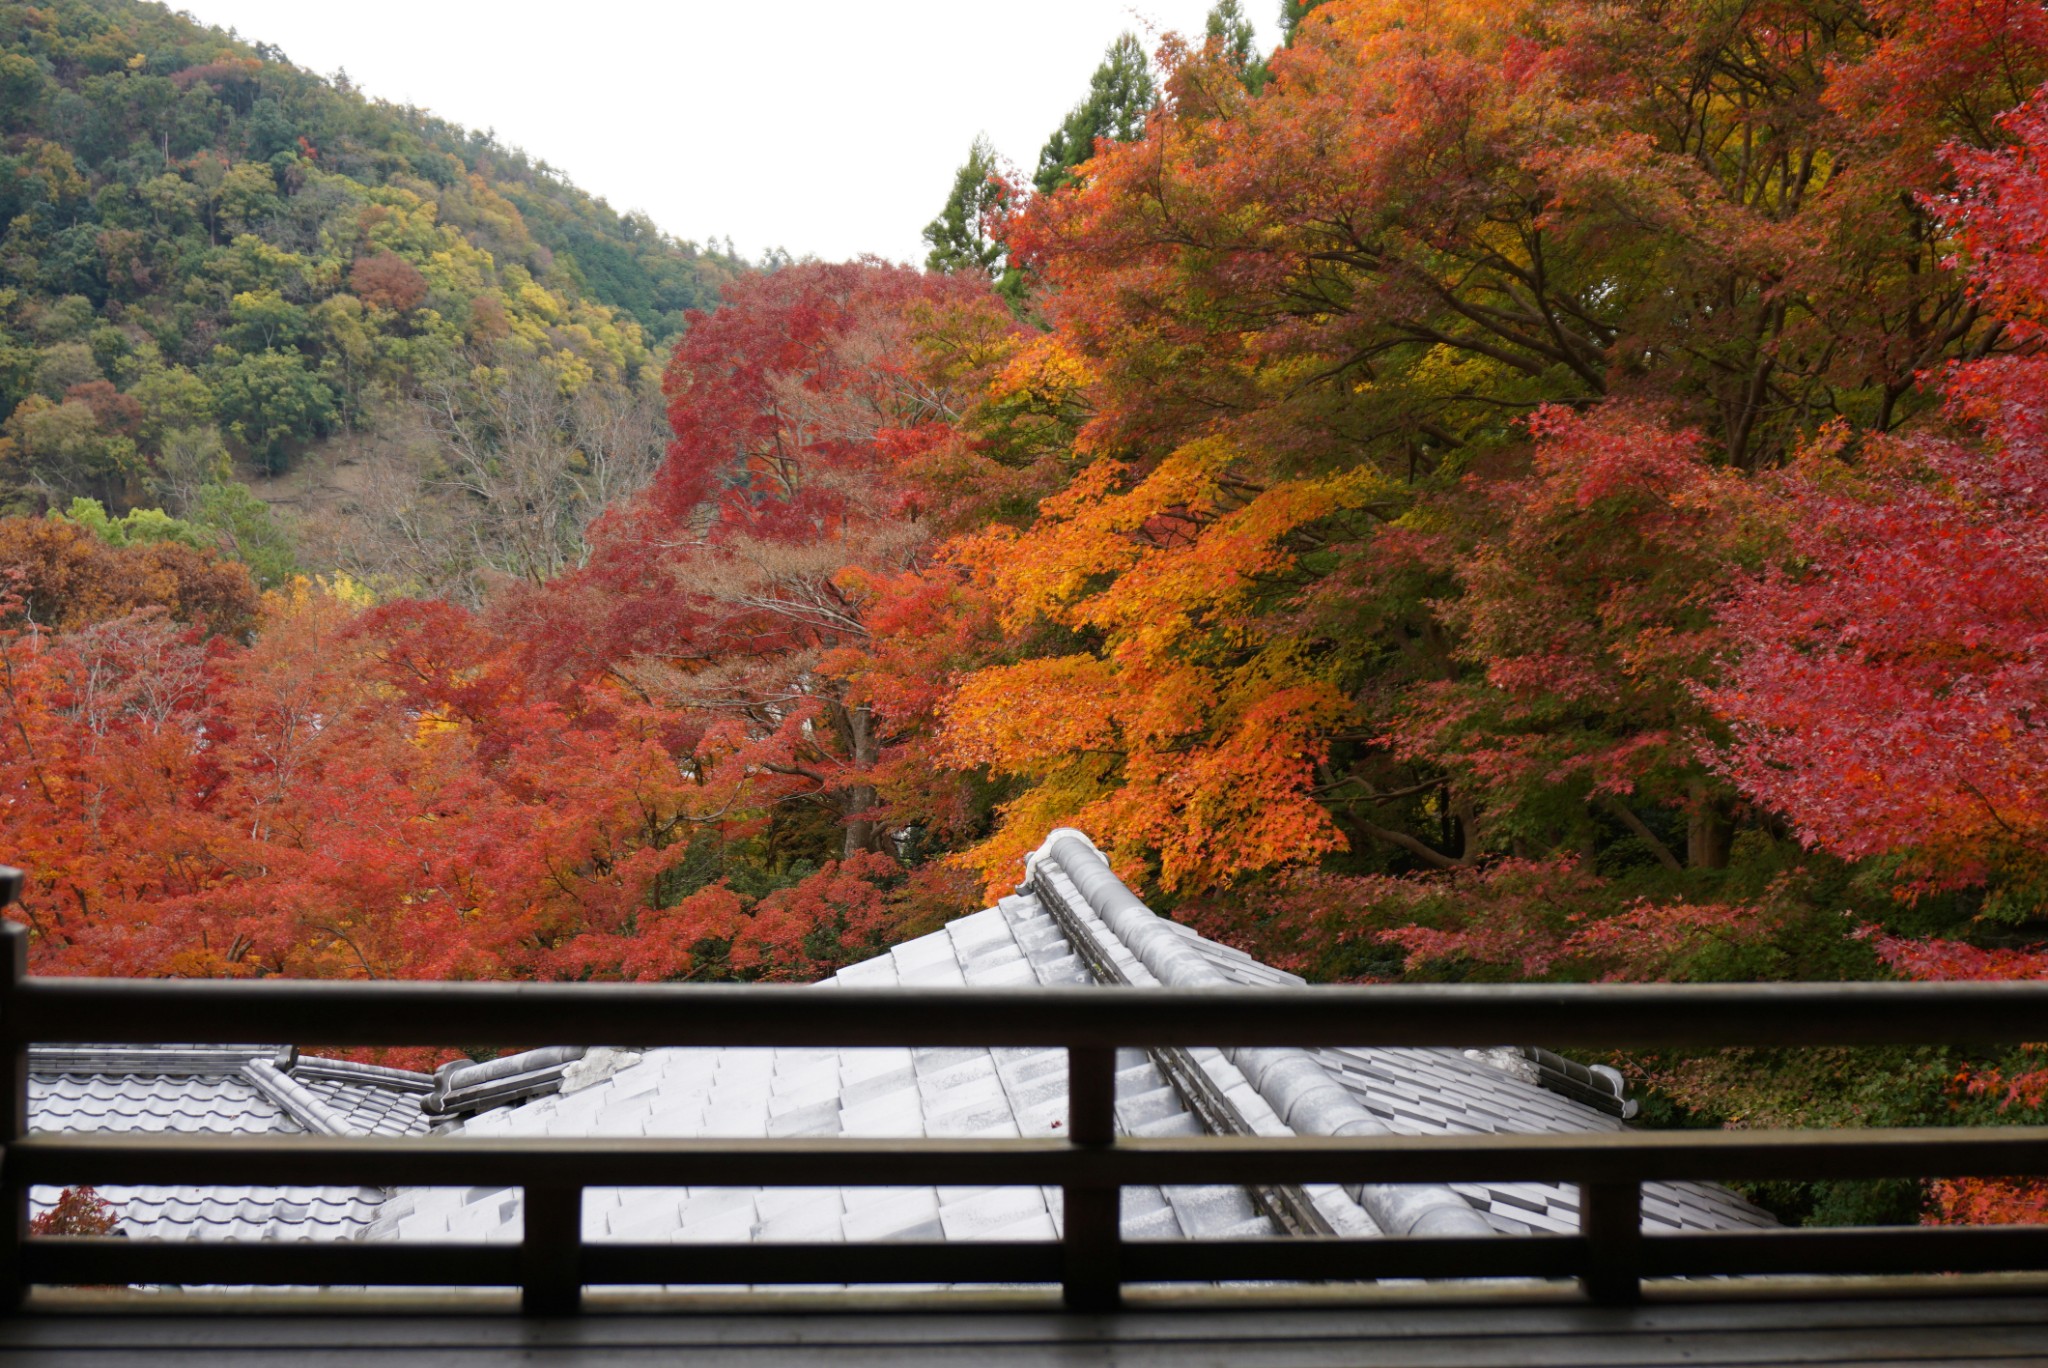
369	1100
1421	1091
214	1090
1425	1091
731	1092
221	1104
960	1092
863	1092
1447	1092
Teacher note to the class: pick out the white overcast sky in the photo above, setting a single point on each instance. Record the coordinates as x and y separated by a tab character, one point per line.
826	127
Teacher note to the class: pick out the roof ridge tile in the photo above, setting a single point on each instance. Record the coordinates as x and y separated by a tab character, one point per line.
298	1103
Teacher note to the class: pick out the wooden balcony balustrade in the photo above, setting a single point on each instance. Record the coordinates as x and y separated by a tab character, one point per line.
1611	1256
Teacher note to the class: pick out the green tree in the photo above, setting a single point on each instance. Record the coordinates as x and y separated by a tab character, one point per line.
61	451
271	403
17	369
174	203
247	195
22	88
1120	94
173	399
69	319
264	320
244	527
136	528
958	237
60	367
1292	12
226	518
1232	32
188	459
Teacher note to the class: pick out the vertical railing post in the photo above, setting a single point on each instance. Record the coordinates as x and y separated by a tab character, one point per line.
13	1095
1611	1222
551	1252
1093	1215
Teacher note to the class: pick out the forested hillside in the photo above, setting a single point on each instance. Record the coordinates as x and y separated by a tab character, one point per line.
1494	489
215	264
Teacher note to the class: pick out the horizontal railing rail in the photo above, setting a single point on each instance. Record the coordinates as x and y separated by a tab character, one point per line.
1641	1016
487	1161
1308	1259
553	1262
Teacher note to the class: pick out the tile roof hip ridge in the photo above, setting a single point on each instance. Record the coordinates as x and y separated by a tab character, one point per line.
1137	928
63	1057
470	1073
1298	1089
462	1086
348	1070
298	1101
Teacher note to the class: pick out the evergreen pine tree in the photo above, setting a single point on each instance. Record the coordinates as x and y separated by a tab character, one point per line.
1292	12
1228	27
956	237
1120	95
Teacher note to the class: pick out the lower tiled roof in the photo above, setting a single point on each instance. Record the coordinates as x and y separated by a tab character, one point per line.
216	1104
208	1090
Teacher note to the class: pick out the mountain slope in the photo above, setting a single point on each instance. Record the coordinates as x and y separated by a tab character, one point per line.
209	255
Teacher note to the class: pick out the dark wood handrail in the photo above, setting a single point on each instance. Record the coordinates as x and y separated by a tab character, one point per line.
1647	1016
1610	1256
498	1161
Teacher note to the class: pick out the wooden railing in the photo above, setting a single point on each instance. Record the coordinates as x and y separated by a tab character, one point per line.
1611	1256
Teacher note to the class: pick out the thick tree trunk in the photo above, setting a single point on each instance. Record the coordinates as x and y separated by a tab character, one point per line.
862	831
1709	829
1643	833
1465	826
